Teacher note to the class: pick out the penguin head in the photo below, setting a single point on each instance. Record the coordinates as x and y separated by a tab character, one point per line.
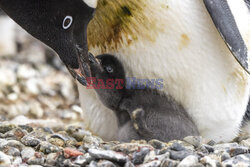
108	69
60	24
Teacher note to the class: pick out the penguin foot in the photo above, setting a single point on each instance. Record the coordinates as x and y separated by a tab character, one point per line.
139	122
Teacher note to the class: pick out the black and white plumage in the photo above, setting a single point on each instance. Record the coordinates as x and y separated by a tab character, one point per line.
142	114
184	48
226	23
62	25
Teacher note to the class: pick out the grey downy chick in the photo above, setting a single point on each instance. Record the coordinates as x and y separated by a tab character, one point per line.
142	114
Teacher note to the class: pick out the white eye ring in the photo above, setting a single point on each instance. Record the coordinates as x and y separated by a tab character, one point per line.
67	18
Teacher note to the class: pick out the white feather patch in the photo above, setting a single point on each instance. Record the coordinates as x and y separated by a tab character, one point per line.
91	3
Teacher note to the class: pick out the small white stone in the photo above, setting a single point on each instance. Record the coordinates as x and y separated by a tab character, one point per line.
27	153
32	86
25	72
4	160
190	160
17	161
12	97
36	110
8	77
208	161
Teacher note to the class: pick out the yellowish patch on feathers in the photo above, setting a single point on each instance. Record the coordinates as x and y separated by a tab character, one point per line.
185	40
119	23
242	80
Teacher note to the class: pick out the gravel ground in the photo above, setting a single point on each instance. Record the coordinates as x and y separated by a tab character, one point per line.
41	123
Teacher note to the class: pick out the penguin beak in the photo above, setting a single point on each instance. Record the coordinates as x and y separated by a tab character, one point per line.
83	72
95	64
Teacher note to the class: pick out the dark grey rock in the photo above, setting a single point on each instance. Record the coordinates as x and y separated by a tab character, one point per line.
225	156
180	155
211	143
238	150
177	147
209	148
31	141
138	157
6	127
26	127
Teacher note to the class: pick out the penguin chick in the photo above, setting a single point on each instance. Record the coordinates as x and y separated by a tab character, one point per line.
142	114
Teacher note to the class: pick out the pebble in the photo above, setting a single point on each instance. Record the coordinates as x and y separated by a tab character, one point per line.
31	141
17	161
4	160
207	161
194	140
138	157
52	159
83	160
12	151
47	148
109	155
6	127
37	159
15	144
69	153
190	160
27	153
177	147
157	144
78	133
169	163
245	143
180	155
240	160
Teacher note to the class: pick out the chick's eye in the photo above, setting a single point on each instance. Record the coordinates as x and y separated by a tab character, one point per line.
67	22
109	69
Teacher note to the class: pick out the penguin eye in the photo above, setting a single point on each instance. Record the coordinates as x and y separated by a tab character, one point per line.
109	69
67	22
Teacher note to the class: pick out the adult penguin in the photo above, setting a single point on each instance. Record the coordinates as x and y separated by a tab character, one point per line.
175	40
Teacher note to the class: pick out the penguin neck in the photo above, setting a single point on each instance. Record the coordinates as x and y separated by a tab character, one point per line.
119	23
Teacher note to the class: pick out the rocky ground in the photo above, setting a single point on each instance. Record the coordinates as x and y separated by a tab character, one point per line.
41	122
